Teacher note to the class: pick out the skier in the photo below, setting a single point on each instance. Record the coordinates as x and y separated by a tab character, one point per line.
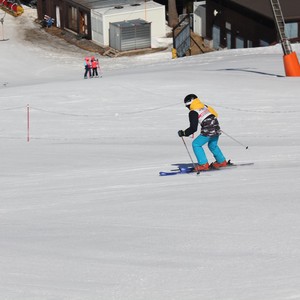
206	116
95	65
87	67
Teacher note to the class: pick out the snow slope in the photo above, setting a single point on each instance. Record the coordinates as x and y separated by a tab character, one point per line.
84	214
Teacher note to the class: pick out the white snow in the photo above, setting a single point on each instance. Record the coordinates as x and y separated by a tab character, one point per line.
84	214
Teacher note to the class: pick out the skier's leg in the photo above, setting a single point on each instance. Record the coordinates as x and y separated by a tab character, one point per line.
215	149
198	149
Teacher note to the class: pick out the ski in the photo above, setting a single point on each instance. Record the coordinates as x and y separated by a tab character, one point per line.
187	169
177	172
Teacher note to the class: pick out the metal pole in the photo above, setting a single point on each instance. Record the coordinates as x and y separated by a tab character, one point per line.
194	165
2	23
2	20
235	140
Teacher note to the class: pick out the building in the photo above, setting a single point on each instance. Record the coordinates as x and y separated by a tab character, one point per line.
91	18
150	11
243	23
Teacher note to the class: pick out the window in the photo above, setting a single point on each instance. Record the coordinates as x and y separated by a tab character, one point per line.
228	35
228	39
216	37
239	42
228	26
263	43
291	30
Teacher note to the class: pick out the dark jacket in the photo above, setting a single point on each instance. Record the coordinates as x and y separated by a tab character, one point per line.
209	126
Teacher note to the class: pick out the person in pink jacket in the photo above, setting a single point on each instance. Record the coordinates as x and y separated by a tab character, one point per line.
87	68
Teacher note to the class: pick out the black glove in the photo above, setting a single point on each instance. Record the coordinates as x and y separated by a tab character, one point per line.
181	133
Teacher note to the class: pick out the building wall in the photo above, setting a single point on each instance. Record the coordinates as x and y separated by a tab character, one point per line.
97	28
53	9
67	15
238	28
94	23
245	23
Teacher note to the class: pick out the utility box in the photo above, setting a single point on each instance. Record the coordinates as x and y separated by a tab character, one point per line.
149	11
130	35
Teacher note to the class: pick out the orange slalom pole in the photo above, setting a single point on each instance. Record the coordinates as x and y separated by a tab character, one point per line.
291	64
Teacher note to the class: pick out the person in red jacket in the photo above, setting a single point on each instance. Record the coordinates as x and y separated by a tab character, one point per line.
95	65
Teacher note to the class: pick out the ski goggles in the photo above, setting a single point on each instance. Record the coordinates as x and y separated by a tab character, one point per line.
189	103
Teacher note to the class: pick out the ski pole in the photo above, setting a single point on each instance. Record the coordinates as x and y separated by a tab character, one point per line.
189	154
235	140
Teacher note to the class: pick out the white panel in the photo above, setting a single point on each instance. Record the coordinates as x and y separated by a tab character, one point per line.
97	28
57	17
199	19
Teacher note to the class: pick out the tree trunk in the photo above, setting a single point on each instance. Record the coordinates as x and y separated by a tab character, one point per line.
172	13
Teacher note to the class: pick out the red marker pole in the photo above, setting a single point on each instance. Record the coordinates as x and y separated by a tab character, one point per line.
28	122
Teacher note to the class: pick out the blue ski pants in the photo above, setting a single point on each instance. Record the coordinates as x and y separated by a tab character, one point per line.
212	146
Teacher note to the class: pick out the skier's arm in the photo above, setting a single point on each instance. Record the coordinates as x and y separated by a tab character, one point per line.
193	117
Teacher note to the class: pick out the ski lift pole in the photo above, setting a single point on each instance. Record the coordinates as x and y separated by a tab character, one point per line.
2	21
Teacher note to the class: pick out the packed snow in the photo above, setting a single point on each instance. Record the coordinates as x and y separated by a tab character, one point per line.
84	212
